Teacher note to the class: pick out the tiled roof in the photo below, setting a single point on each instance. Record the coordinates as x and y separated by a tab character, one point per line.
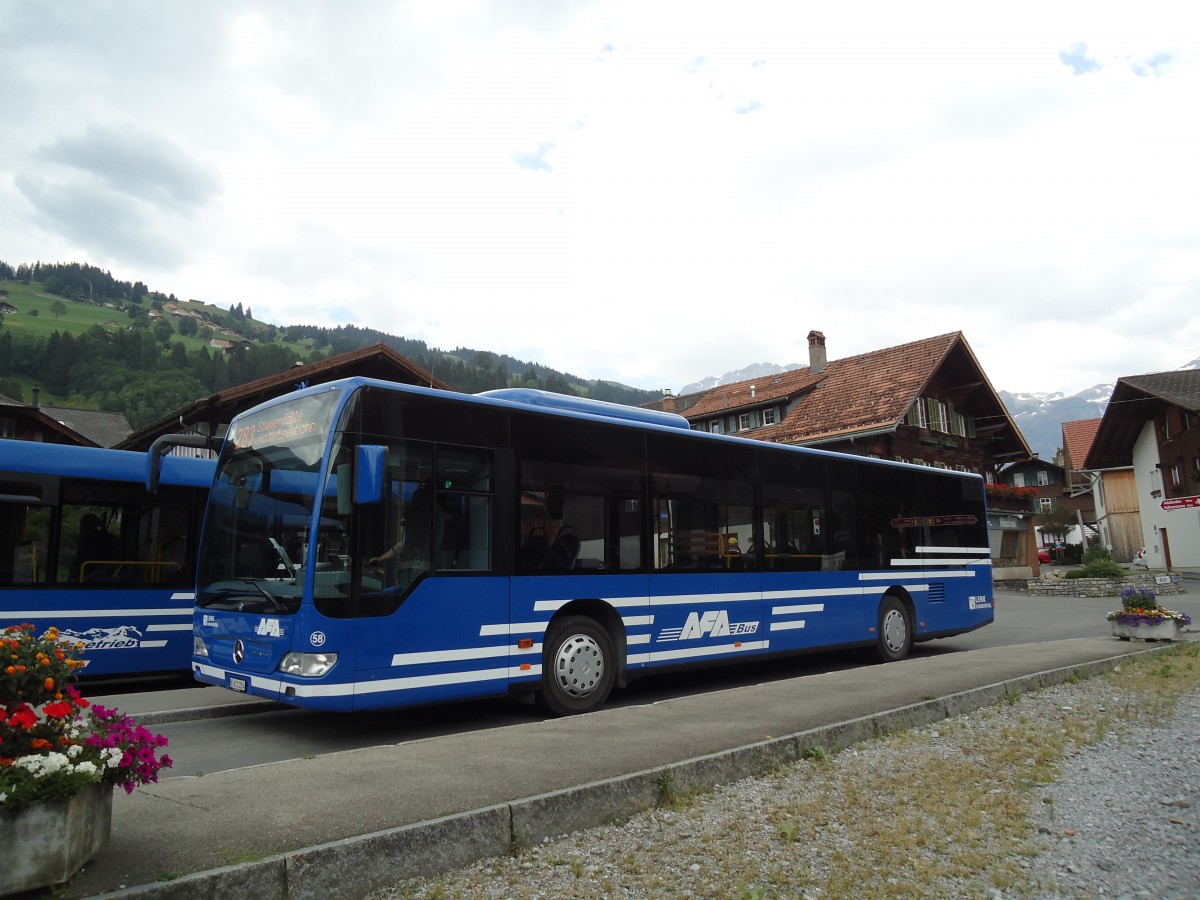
1135	400
1180	388
1077	440
867	392
105	428
862	393
754	392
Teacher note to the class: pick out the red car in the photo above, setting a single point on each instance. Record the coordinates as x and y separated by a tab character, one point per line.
1043	554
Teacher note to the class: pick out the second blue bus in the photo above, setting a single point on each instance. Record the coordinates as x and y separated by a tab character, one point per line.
87	548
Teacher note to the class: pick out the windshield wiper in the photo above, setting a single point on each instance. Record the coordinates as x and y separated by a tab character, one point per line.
280	606
283	555
216	597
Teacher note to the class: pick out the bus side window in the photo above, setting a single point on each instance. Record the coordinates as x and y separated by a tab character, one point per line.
23	529
463	522
96	550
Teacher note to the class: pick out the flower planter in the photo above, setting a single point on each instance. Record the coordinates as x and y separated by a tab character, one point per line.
48	842
1166	630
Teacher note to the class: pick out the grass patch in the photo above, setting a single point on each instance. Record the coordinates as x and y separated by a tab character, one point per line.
944	810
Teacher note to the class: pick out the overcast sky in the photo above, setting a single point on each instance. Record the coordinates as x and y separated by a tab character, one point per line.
649	192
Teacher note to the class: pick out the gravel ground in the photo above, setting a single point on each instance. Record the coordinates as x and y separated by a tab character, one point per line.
1062	794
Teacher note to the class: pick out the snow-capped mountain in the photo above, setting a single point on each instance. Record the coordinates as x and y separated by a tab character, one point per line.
1040	416
754	370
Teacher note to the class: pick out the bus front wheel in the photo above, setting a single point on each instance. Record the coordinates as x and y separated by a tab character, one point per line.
578	667
894	634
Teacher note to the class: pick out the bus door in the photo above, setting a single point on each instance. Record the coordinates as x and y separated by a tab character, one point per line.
580	523
432	616
806	538
705	583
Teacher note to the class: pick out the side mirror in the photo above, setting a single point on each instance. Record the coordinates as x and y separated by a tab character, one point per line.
370	464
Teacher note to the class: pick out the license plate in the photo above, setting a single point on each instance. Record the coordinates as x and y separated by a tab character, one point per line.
237	684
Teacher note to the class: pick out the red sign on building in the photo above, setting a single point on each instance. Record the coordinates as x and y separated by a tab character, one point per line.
1180	503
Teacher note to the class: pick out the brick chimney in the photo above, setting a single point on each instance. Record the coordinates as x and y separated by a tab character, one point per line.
668	401
816	352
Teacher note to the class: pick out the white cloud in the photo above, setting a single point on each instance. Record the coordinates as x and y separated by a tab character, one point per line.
645	192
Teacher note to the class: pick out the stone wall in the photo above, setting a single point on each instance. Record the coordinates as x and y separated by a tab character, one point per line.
1102	587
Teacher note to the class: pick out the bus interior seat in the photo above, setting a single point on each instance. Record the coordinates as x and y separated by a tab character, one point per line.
564	550
535	549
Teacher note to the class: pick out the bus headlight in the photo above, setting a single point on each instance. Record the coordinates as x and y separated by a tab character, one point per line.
199	648
307	665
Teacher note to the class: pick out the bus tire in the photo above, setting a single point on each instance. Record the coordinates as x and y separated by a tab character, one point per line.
894	632
578	667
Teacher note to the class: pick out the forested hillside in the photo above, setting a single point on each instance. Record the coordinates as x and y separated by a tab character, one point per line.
91	341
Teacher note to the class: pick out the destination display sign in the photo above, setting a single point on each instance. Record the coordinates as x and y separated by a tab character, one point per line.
1180	503
933	521
275	430
288	424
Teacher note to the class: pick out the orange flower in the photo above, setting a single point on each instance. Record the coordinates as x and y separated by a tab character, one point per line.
40	744
49	683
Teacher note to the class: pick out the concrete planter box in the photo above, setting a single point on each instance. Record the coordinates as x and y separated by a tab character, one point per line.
47	843
1166	630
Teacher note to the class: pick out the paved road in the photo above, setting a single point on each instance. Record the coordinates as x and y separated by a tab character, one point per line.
340	823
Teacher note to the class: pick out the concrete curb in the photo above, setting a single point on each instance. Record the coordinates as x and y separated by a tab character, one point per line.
359	865
196	713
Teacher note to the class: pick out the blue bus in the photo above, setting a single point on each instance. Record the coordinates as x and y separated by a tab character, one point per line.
85	547
373	545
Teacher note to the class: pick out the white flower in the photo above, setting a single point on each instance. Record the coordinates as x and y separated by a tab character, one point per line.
87	767
42	766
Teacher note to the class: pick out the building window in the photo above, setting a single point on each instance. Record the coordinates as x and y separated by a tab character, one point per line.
744	422
1043	477
940	416
1019	479
8	428
769	416
916	414
1176	478
1046	504
715	427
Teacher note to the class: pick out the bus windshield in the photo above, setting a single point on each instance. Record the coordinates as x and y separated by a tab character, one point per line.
256	534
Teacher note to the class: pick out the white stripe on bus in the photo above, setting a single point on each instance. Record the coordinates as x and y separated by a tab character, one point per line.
787	626
963	551
90	613
441	656
802	608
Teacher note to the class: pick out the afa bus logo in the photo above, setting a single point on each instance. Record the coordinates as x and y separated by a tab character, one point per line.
712	623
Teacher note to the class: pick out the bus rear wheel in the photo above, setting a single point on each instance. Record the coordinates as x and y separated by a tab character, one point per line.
894	634
578	667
